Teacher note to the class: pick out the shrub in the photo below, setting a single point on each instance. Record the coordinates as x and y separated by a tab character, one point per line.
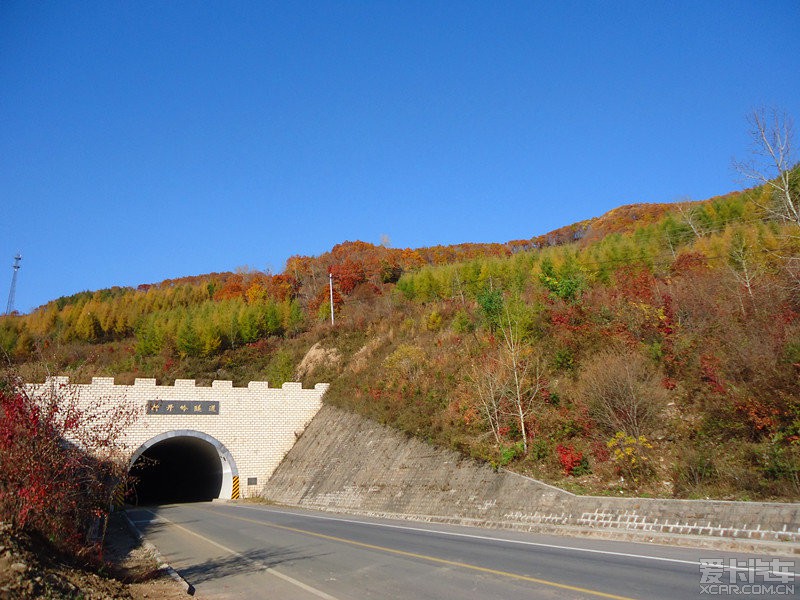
406	362
694	471
567	282
624	392
280	369
434	321
792	352
59	464
572	461
462	323
564	359
509	453
631	455
782	462
539	449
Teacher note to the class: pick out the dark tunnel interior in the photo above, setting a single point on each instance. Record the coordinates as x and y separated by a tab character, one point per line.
179	469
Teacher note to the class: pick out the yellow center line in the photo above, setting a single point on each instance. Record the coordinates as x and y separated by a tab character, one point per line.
433	559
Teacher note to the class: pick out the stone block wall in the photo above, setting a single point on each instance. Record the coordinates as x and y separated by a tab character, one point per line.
346	462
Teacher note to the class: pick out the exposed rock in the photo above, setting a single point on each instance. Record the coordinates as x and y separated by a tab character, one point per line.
316	357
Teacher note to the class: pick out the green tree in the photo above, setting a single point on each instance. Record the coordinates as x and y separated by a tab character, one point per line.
188	342
566	282
490	303
280	369
88	328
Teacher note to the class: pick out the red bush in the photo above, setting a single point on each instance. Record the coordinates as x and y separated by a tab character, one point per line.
571	460
600	451
709	373
58	465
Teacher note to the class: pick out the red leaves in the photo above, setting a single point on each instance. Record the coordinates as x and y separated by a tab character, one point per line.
347	275
668	383
571	460
600	451
636	284
762	418
56	464
666	325
569	317
323	297
788	315
709	373
688	263
282	287
232	289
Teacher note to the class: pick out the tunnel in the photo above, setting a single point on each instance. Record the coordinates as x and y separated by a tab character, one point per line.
176	469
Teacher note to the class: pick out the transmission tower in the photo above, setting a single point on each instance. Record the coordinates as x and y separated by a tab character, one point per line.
12	292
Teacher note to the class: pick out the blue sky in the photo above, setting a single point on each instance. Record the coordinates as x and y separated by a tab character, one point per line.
148	140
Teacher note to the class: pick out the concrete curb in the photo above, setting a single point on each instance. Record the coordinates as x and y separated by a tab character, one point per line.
163	565
648	537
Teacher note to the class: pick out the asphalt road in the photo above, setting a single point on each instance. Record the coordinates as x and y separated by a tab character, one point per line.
254	551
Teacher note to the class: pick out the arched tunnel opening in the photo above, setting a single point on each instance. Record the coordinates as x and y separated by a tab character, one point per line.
178	469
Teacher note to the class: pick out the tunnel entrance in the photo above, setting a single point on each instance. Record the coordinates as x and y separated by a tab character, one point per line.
181	468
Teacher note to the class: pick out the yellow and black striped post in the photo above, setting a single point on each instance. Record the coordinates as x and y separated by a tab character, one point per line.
118	497
235	489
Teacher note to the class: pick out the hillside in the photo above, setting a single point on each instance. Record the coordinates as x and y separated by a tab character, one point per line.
653	350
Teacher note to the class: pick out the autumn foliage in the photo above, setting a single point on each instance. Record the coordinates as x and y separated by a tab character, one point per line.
59	465
676	324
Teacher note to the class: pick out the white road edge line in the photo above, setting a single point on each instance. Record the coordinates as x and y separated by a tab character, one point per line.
255	563
162	563
505	540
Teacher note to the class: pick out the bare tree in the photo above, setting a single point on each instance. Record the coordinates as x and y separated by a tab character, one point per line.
527	373
689	216
490	387
774	165
771	133
509	382
746	271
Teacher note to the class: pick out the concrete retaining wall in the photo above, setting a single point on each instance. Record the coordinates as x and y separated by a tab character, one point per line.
346	462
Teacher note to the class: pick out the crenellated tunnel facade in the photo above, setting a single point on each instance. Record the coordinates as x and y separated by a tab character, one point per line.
192	443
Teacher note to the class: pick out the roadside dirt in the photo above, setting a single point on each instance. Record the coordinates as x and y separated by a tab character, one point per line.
30	570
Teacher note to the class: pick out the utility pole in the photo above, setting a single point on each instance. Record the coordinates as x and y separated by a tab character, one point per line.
13	291
330	280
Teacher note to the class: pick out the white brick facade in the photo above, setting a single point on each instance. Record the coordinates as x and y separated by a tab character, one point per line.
254	428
